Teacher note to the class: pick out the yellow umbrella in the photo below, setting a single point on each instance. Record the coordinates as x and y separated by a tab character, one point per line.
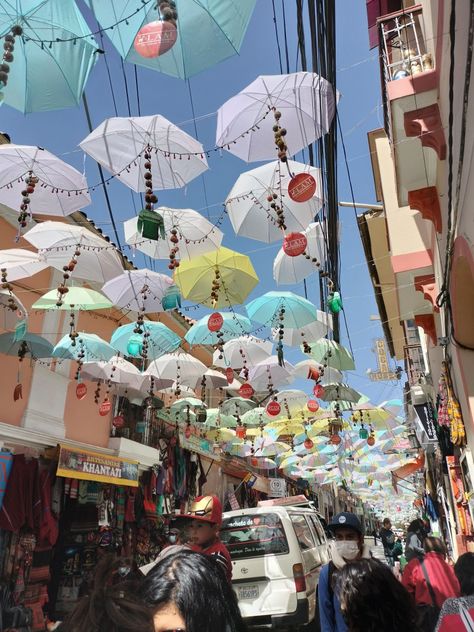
217	279
285	427
220	434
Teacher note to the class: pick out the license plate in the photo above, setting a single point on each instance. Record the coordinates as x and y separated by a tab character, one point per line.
250	591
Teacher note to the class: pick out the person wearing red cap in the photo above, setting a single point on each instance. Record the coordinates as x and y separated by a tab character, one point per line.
205	515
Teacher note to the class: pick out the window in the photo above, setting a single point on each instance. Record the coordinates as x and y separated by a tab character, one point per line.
302	531
254	535
318	529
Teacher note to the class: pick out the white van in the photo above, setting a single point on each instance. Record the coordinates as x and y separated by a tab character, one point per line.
277	553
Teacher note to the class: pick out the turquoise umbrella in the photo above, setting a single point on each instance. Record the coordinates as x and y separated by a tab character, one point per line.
234	325
208	31
52	57
35	346
93	347
161	340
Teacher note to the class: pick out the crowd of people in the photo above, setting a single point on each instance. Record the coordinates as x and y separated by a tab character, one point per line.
188	588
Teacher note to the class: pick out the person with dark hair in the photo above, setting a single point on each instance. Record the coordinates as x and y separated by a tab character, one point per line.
111	605
416	534
388	540
372	599
187	592
458	614
430	580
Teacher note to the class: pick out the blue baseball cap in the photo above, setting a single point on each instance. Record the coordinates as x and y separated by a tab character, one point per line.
347	520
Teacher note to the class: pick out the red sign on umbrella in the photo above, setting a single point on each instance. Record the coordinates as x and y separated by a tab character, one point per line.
81	391
215	322
273	409
308	444
294	244
155	38
105	408
229	373
312	405
246	391
318	390
118	422
302	187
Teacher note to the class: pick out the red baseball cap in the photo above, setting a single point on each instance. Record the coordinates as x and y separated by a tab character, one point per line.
205	509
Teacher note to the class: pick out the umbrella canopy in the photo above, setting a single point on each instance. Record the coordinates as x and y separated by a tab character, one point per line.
215	379
269	370
333	354
12	311
314	331
76	299
255	417
196	235
307	104
57	242
171	389
237	278
236	405
290	270
234	324
215	419
58	182
336	392
330	375
91	345
161	340
186	402
49	75
119	144
117	370
250	212
138	290
35	346
207	32
292	399
243	350
283	427
178	366
20	263
266	309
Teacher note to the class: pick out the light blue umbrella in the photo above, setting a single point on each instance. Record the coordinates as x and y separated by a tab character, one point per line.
208	31
160	341
93	346
46	74
36	346
266	309
234	325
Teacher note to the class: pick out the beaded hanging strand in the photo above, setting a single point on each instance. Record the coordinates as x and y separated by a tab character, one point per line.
31	181
8	48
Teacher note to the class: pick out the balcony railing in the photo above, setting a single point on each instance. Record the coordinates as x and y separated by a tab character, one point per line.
414	364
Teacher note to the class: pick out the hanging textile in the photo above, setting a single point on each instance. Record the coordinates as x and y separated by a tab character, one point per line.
449	409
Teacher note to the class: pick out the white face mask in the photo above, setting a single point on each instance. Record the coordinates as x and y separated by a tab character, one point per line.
347	549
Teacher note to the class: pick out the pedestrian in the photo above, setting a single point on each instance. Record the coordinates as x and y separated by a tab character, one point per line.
177	540
187	593
458	614
415	536
388	540
430	580
205	520
347	547
372	599
374	534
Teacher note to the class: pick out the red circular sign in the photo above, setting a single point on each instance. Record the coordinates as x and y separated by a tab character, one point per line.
105	408
335	439
215	322
313	374
308	444
81	391
371	441
294	244
302	187
155	38
273	409
246	391
240	432
312	405
229	373
118	422
318	390
187	432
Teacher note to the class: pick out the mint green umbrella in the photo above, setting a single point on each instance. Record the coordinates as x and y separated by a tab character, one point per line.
76	299
93	346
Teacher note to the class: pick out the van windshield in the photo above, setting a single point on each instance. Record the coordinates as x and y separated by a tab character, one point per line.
254	535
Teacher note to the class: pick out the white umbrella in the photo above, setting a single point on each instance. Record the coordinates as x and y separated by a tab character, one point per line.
119	145
330	375
215	379
12	311
20	263
195	233
250	212
186	391
243	350
310	333
60	189
270	370
178	366
294	399
306	101
117	370
57	242
290	270
138	289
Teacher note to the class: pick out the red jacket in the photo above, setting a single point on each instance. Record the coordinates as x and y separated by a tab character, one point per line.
441	576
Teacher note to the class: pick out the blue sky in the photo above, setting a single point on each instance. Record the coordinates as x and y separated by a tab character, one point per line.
359	111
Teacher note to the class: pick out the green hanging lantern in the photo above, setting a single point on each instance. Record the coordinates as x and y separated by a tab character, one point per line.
334	302
363	433
151	225
171	298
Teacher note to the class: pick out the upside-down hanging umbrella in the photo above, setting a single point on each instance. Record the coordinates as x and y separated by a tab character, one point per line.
186	402
205	32
333	354
230	273
12	311
292	401
53	54
255	417
327	375
336	392
244	350
237	406
20	263
283	427
270	371
288	270
178	366
91	345
33	345
161	340
194	233
117	370
58	188
217	419
319	328
138	290
250	212
214	379
57	243
119	144
307	104
233	325
76	299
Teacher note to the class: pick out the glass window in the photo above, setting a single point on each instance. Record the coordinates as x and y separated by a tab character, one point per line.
303	532
254	535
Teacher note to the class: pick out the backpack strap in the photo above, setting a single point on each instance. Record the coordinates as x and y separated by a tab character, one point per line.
466	616
428	583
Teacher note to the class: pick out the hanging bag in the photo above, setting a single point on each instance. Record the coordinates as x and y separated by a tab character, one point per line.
428	613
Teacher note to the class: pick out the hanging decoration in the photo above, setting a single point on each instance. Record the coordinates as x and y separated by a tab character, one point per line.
312	405
80	356
318	390
281	333
8	48
81	391
105	408
273	409
158	37
246	391
229	373
97	393
334	301
171	299
63	289
31	181
294	244
308	444
334	428
449	410
302	187
12	304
